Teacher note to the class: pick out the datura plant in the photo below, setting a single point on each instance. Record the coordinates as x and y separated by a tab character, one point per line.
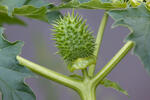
75	43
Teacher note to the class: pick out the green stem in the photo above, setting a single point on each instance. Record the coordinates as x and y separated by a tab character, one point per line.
52	75
84	88
98	41
88	93
113	62
85	73
87	88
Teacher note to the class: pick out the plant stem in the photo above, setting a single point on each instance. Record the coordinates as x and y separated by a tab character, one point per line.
85	73
98	41
52	75
84	88
88	94
88	90
113	62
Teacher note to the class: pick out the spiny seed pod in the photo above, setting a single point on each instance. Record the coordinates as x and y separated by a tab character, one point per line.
73	38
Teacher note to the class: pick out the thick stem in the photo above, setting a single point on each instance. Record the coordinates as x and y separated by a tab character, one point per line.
88	94
98	41
88	90
52	75
113	62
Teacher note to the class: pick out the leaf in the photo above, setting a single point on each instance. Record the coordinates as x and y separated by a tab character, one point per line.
135	3
37	13
11	4
81	63
112	1
12	74
138	21
5	19
3	9
92	4
53	15
65	0
35	9
36	3
32	12
110	84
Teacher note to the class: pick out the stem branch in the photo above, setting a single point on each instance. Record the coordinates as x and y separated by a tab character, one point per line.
113	62
85	73
52	75
98	41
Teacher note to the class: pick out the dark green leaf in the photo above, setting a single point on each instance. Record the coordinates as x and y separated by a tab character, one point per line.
53	15
92	4
5	19
112	1
32	12
12	74
36	3
41	13
138	21
35	9
11	4
109	84
65	0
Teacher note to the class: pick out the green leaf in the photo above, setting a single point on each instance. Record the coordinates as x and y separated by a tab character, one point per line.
1	30
11	4
5	19
12	74
65	0
3	9
138	21
81	63
32	12
53	15
112	1
109	84
41	13
35	9
36	3
92	4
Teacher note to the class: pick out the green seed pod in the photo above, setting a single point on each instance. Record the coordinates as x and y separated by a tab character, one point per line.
73	38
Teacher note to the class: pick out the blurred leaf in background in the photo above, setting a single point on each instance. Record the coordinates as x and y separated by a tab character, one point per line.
5	19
